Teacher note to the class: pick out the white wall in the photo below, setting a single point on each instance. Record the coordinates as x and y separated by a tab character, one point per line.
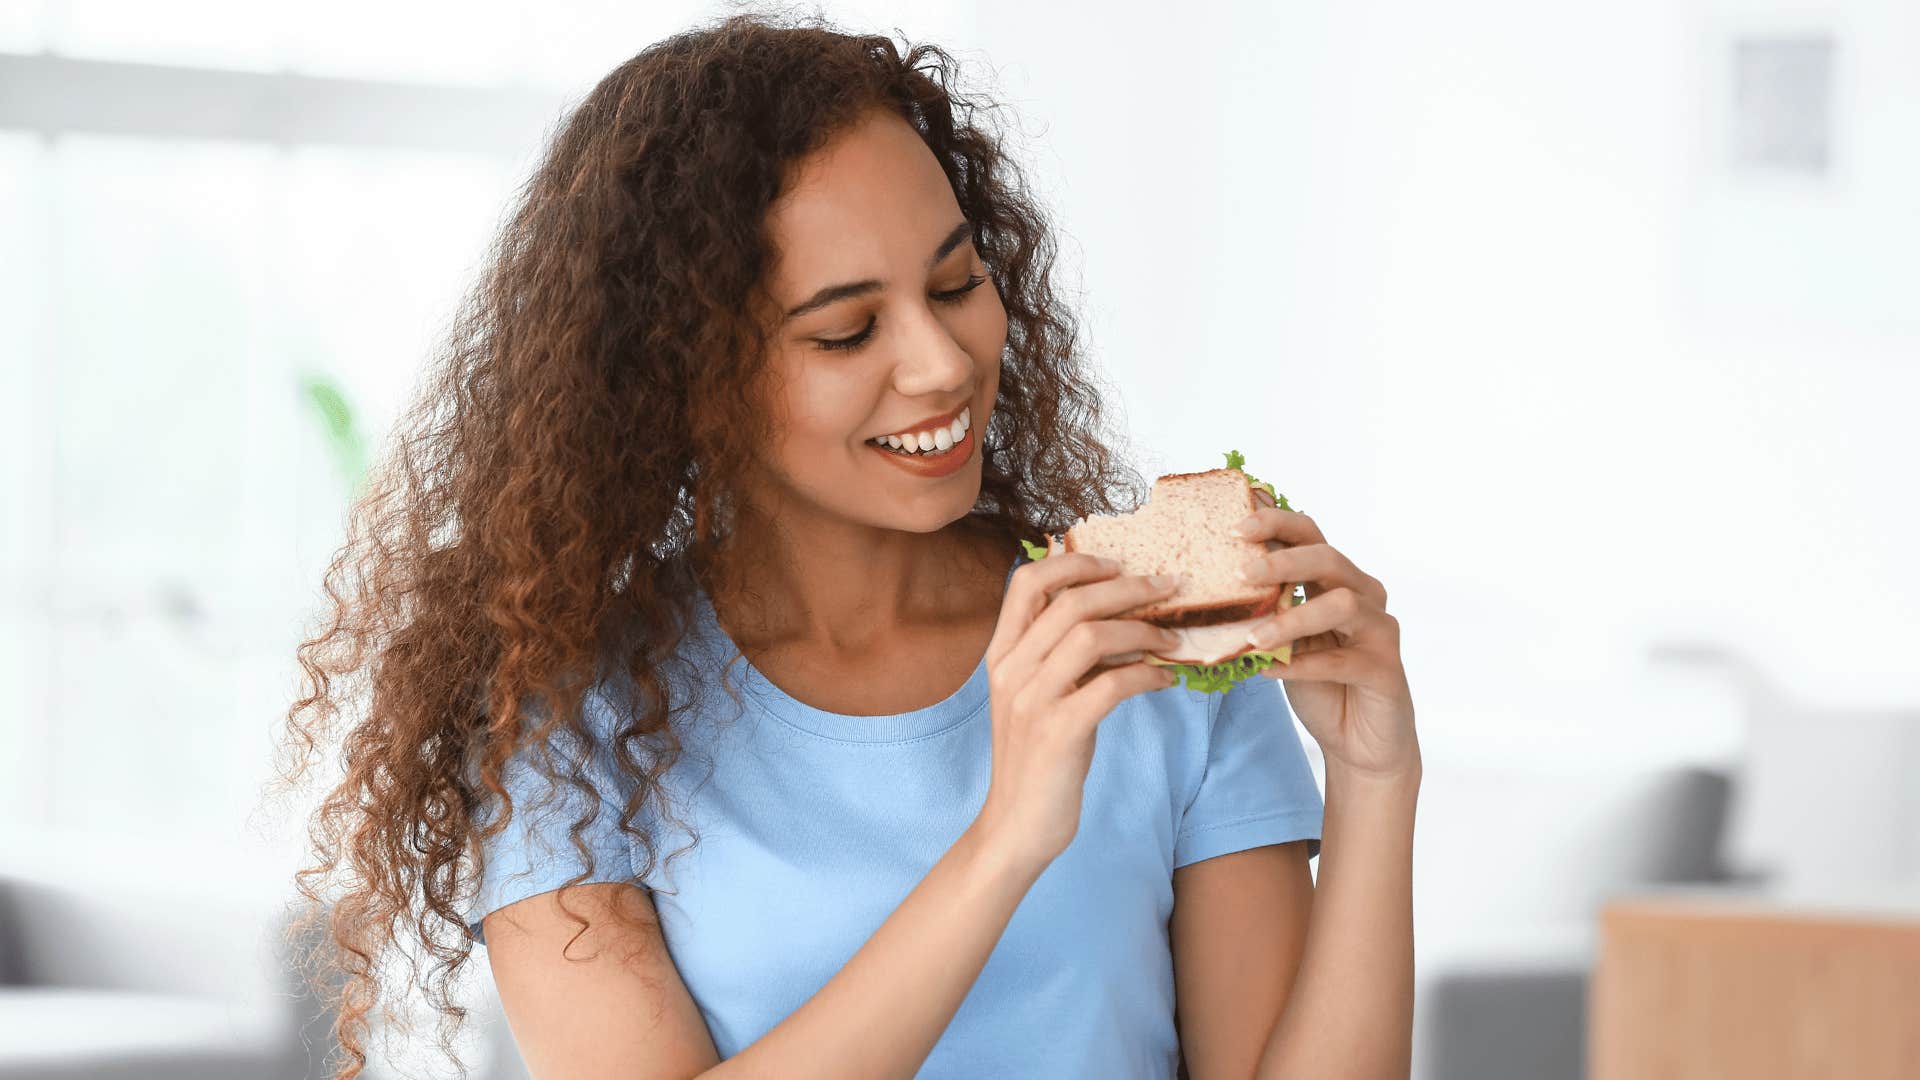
1474	286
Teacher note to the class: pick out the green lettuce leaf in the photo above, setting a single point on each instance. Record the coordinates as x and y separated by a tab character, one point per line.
1219	678
1235	461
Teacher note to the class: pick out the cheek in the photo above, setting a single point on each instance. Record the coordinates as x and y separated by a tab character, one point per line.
984	330
825	407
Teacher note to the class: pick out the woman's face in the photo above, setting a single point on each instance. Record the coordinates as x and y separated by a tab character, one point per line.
885	316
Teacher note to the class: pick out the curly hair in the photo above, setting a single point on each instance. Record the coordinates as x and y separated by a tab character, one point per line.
563	480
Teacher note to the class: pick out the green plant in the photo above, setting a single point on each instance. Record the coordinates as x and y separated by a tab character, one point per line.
344	440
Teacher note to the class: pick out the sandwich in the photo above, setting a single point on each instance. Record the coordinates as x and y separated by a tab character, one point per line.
1183	529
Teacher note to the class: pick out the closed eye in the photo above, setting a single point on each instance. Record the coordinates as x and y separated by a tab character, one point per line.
951	296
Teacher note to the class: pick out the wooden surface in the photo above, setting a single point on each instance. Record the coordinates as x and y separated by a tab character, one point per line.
1703	988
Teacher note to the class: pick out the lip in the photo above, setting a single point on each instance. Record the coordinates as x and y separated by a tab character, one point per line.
928	424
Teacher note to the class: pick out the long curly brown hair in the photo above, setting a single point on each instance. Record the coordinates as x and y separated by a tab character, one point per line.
562	483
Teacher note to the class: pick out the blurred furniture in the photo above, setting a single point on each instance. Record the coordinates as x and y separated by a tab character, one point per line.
1515	866
1511	868
118	962
1824	796
1700	984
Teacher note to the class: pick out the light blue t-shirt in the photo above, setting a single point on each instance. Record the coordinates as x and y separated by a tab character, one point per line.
813	826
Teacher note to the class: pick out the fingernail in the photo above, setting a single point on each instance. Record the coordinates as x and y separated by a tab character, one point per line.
1246	527
1262	637
1162	581
1244	571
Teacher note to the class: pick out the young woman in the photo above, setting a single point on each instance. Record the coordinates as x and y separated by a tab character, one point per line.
747	743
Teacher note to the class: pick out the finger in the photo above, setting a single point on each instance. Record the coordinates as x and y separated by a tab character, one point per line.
1086	644
1351	665
1093	702
1346	614
1082	603
1321	564
1092	595
1030	588
1286	526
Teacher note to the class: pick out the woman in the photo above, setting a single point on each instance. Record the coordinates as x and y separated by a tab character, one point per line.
884	844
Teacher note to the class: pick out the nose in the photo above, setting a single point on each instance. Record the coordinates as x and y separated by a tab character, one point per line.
932	360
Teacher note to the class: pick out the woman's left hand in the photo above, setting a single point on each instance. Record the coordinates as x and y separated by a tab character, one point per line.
1346	681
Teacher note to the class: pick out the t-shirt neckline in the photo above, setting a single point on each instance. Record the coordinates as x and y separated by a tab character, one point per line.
951	711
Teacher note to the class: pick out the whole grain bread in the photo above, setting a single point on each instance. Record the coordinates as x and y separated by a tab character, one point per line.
1182	530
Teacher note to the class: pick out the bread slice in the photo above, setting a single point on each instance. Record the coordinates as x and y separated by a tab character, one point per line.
1183	529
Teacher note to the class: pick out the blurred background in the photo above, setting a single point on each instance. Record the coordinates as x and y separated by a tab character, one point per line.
1590	329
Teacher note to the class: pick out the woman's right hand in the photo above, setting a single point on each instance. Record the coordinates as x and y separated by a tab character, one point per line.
1055	625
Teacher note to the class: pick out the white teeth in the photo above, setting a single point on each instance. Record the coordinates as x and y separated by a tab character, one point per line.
937	440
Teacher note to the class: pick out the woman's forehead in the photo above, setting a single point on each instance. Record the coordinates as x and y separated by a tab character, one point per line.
875	193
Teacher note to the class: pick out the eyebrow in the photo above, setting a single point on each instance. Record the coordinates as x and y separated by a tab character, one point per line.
834	293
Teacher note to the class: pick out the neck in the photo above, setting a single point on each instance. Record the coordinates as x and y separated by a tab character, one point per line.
845	590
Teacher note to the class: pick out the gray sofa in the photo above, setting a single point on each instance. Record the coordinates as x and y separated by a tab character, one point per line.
115	962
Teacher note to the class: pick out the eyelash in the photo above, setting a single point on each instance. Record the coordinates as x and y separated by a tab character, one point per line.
956	296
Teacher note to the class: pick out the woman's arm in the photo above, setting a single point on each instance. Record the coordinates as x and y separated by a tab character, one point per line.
1238	928
881	1013
1351	1010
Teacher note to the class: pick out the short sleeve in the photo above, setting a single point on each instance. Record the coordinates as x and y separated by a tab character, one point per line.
1257	786
535	853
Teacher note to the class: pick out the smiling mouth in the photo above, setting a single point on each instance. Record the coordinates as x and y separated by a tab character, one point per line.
934	443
